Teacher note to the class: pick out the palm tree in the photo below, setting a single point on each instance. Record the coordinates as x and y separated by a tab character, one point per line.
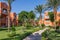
54	4
9	10
39	9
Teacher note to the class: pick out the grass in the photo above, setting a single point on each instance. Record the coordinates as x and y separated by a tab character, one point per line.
43	38
3	34
20	33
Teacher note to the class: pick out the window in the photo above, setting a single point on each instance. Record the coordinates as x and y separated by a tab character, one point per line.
4	10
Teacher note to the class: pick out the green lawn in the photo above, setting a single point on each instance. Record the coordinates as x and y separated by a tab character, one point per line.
21	33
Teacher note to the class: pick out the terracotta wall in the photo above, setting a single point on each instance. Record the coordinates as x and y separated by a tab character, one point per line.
14	18
58	16
46	20
4	14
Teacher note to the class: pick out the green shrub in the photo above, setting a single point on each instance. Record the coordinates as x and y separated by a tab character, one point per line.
50	35
57	29
49	39
12	32
28	26
42	25
26	34
45	34
3	29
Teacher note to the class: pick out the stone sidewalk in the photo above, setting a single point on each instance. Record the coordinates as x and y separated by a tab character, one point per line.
36	35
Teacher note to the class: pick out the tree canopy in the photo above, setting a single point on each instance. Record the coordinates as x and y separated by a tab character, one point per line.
22	16
51	16
31	15
53	3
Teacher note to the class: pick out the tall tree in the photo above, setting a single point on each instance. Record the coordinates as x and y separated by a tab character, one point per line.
54	4
25	16
31	15
51	16
9	10
22	17
40	9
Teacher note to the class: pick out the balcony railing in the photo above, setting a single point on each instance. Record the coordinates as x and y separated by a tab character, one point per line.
47	20
47	17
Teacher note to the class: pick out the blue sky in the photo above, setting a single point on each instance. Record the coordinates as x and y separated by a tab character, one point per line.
26	5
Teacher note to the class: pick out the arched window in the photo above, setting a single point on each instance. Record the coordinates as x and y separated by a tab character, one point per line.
4	11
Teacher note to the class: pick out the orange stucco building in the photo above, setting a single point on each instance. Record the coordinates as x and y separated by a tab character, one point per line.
46	20
4	15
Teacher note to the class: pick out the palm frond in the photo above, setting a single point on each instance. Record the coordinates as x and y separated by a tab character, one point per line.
53	3
39	8
9	1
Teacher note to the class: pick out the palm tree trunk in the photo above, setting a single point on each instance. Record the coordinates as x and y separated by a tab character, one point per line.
9	9
8	20
40	19
55	12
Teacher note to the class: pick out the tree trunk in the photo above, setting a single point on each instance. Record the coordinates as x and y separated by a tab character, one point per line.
55	12
40	19
8	21
9	10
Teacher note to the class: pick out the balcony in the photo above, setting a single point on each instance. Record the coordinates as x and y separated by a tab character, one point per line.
46	17
47	24
47	20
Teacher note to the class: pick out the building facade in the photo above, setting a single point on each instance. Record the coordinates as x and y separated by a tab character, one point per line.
47	21
4	15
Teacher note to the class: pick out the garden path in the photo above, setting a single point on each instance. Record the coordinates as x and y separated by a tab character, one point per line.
36	35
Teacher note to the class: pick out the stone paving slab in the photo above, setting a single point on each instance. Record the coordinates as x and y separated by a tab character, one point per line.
36	35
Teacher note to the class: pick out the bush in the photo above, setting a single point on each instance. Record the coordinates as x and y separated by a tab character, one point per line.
3	29
57	29
44	34
26	34
12	32
43	25
28	26
51	35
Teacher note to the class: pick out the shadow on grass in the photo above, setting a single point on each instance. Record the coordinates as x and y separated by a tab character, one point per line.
3	29
18	36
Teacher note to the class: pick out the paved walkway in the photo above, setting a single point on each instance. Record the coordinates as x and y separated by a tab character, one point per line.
36	35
